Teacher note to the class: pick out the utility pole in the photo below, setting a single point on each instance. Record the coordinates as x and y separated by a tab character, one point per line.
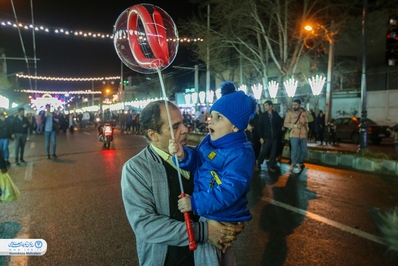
208	61
364	123
329	78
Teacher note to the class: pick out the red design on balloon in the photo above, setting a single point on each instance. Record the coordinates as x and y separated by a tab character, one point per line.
155	34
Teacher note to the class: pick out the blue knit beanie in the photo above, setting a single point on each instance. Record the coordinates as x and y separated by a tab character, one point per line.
235	105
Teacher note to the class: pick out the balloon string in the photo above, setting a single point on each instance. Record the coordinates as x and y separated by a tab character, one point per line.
171	126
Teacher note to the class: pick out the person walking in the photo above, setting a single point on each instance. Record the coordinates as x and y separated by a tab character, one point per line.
270	130
320	127
39	126
296	120
255	132
312	128
150	193
5	137
19	132
50	123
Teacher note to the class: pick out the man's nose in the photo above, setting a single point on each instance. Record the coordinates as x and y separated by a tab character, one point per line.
184	129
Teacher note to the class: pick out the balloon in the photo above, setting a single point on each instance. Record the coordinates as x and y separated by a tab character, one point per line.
145	38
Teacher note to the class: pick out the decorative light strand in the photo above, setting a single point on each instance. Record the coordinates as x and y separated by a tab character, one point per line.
61	92
66	79
316	84
79	33
273	88
290	86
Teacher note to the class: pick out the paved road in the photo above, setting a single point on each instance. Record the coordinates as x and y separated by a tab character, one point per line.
320	217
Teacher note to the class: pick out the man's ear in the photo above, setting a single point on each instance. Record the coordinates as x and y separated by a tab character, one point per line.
153	135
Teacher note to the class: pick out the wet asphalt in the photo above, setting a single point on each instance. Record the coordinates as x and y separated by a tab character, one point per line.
321	216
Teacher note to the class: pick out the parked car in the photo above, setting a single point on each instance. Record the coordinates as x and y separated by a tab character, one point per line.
347	128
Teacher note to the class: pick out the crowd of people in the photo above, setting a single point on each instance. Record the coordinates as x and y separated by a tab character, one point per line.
50	123
269	133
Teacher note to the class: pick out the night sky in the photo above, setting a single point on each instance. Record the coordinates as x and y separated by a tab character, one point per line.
74	56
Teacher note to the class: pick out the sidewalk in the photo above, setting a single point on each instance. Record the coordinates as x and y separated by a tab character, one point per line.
343	155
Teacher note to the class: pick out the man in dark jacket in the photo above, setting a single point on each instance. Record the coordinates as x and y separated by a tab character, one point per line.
4	137
19	131
270	129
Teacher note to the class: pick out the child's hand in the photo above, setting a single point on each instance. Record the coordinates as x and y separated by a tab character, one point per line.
184	204
176	149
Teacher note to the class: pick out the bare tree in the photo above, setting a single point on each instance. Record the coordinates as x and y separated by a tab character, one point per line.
265	35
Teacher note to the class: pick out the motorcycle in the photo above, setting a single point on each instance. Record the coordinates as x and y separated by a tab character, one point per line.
105	134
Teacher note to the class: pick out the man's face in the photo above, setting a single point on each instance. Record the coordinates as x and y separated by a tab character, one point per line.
219	125
21	113
179	129
296	106
267	107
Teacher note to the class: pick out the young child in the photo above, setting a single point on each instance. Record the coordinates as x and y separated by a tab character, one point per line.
223	165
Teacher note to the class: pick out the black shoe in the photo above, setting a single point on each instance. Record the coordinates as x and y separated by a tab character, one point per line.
302	165
22	161
48	157
17	162
54	156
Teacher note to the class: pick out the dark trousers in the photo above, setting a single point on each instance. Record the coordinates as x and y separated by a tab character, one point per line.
20	141
319	136
268	150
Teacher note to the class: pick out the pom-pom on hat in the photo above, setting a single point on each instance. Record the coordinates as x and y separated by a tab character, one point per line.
235	105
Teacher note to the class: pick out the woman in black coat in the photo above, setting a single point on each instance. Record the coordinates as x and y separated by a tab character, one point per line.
320	126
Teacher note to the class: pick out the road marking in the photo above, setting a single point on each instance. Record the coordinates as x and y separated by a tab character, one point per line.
86	133
28	171
327	221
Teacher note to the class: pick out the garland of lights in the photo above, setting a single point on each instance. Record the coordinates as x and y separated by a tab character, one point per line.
60	92
84	34
66	79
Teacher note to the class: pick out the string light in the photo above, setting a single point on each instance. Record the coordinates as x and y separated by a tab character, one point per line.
60	92
79	33
66	79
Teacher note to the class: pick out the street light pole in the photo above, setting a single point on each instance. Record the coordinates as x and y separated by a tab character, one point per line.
329	79
364	123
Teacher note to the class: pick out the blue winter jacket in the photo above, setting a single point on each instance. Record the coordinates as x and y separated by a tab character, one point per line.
223	170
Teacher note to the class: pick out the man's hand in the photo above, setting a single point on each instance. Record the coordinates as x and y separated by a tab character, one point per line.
13	136
261	140
184	204
222	234
175	149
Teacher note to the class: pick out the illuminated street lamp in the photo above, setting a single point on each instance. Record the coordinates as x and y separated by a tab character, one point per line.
187	97
218	93
202	97
210	96
194	97
290	86
243	88
328	106
257	90
273	88
316	84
